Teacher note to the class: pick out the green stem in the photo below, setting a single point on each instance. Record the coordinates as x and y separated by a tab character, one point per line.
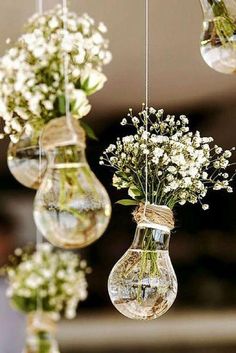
224	23
44	344
149	255
218	8
69	181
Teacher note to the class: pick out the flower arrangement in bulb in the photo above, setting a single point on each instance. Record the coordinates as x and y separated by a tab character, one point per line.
225	26
32	73
162	165
48	74
218	37
182	166
47	280
32	94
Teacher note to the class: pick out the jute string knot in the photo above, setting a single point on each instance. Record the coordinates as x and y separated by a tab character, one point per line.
57	134
40	321
160	215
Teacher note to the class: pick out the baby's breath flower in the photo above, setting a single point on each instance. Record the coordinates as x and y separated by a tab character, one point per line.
181	165
152	110
124	121
57	277
216	165
135	120
18	252
218	150
31	75
146	151
227	154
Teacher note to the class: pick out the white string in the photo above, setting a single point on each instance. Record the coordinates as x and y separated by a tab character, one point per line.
39	6
146	52
66	72
39	237
146	93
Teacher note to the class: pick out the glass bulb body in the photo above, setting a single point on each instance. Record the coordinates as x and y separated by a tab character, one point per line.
40	334
218	39
23	160
72	208
143	285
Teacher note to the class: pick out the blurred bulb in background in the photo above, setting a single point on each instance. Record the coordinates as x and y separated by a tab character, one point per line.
218	39
23	159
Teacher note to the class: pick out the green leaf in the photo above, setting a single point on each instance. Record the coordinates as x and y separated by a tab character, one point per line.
89	131
62	104
127	202
84	86
134	191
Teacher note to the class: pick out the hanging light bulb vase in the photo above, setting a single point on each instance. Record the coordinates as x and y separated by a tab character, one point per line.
24	158
72	208
218	39
163	162
143	285
41	329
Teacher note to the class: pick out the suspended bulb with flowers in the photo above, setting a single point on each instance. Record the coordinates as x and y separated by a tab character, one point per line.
71	209
181	167
32	81
45	284
218	39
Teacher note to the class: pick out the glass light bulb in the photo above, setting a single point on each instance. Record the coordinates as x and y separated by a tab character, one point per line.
23	160
72	208
41	330
143	285
218	39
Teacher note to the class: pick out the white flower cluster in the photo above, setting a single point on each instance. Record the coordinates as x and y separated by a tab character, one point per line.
32	83
182	166
54	281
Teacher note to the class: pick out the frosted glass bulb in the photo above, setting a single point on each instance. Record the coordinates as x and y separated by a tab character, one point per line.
143	285
218	39
23	159
72	208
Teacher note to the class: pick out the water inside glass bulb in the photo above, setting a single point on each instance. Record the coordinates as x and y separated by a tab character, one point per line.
218	38
23	160
72	208
143	285
40	334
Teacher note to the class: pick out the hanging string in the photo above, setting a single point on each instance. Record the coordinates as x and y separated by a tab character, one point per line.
39	6
146	53
39	238
146	94
66	73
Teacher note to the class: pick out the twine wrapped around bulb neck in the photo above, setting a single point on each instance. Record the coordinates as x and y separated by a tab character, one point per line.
160	215
57	134
41	321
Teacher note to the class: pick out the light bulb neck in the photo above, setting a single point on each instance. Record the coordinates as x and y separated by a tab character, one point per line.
66	156
41	334
151	239
41	322
214	8
207	8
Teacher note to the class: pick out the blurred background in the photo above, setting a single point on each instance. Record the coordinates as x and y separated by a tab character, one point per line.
203	247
